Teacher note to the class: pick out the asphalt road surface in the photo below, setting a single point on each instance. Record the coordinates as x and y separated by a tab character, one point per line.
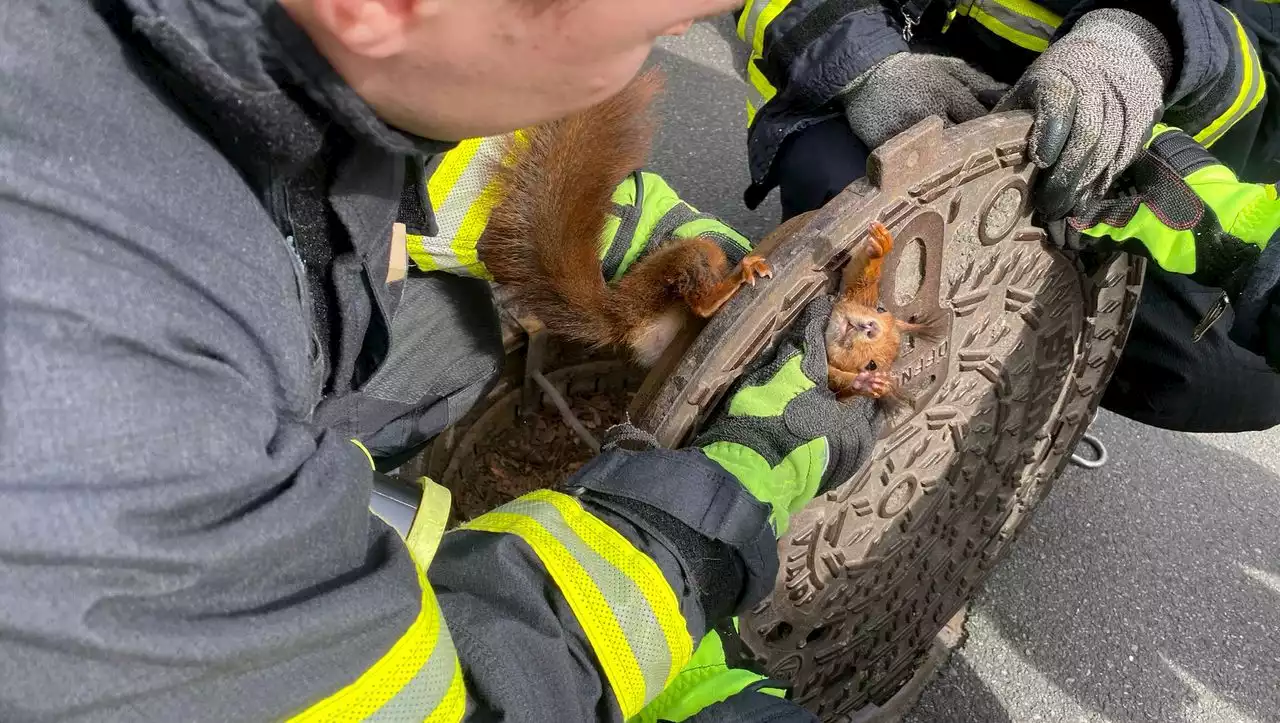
1148	590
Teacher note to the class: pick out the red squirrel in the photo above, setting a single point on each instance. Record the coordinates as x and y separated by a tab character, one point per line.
862	342
542	237
542	243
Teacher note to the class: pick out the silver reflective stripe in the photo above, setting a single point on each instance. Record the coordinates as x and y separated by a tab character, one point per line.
637	620
426	690
1252	88
753	17
458	192
1021	22
756	100
1243	109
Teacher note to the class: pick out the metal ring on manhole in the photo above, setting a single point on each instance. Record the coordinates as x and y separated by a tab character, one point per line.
897	498
1099	453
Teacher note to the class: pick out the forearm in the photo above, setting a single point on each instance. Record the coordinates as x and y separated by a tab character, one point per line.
590	600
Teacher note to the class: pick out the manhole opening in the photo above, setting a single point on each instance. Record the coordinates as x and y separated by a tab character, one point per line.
1000	217
778	633
910	272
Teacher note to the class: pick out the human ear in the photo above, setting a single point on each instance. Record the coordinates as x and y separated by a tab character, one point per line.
369	28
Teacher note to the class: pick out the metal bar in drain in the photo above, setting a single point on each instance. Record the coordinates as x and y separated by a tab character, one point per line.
566	412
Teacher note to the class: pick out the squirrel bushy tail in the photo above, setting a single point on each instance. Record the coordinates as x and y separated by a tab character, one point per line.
542	238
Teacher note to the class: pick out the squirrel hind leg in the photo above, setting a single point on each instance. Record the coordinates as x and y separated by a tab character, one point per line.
712	282
682	277
690	270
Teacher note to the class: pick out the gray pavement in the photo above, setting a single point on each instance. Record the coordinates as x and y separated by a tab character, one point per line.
1148	590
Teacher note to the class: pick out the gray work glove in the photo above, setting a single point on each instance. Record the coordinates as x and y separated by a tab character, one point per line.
905	88
782	433
1096	93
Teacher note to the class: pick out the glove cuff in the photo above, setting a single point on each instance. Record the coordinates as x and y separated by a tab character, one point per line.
861	118
1179	150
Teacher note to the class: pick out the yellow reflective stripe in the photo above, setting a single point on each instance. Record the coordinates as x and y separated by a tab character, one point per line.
432	253
429	521
754	18
1033	11
364	449
415	676
763	89
627	610
416	246
477	217
588	604
1253	86
1021	22
951	15
639	567
751	26
446	176
745	16
755	99
768	14
463	191
473	224
1017	37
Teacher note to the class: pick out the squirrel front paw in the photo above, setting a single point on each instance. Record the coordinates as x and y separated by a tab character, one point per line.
861	384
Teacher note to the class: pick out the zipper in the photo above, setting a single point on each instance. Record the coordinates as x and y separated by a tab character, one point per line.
908	23
282	215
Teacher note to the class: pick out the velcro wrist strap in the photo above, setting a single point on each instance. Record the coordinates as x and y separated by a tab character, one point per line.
699	494
1182	152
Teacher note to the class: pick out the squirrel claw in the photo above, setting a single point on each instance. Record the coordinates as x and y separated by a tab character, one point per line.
755	266
871	384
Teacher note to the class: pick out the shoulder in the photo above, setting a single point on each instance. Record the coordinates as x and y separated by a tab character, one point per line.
117	212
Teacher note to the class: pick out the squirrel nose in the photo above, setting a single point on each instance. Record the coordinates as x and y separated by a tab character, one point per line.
870	327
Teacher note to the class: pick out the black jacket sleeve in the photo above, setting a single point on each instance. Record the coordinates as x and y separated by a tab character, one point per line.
800	59
522	640
1256	322
176	539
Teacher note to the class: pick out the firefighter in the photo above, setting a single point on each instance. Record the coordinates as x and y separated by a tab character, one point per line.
828	86
209	354
211	347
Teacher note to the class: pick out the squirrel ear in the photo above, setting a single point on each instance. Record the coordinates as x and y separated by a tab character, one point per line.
929	327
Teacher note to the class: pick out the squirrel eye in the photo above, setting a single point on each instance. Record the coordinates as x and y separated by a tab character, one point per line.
871	366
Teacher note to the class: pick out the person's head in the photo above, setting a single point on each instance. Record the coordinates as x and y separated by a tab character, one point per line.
453	69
